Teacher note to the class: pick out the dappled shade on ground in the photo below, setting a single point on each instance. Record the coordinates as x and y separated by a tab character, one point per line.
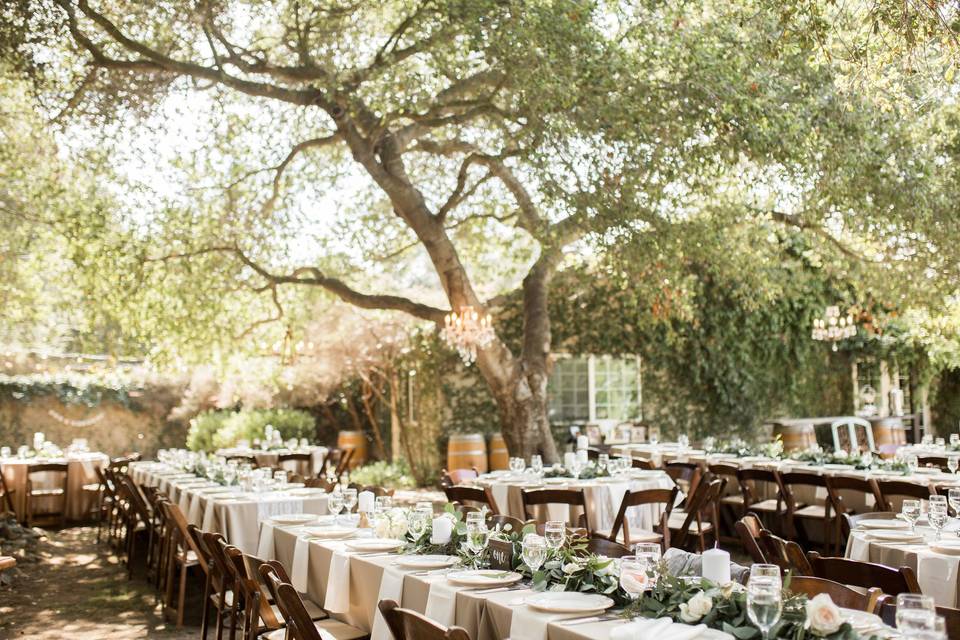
80	590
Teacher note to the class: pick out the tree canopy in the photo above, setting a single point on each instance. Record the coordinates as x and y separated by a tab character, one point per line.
417	156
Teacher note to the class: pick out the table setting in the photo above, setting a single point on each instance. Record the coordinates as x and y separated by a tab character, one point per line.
499	583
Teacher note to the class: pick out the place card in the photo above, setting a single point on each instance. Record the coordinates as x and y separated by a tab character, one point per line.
501	554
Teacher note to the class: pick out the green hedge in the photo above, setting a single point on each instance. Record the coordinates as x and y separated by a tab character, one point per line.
218	429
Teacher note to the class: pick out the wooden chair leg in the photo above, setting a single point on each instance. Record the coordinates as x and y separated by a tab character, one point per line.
205	610
182	595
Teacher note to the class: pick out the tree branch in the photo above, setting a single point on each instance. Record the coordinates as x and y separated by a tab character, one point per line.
795	221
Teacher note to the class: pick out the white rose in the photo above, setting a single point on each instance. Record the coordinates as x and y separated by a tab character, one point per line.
570	567
557	587
696	607
635	581
823	617
382	528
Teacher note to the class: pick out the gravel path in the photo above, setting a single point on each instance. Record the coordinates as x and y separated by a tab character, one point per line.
79	590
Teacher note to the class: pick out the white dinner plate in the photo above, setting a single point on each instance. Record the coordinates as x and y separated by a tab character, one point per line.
895	536
293	486
927	470
948	547
862	621
375	544
834	465
330	533
426	562
609	480
484	577
294	518
569	602
556	480
881	523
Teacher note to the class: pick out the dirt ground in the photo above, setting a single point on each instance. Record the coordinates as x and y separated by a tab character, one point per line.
79	590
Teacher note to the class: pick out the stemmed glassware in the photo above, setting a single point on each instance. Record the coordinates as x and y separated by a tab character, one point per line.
417	520
953	463
517	465
536	465
633	576
349	499
555	532
910	511
764	604
534	551
603	462
478	535
937	513
335	504
915	613
954	440
912	463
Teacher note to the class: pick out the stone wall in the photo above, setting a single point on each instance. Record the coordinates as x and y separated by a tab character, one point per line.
141	427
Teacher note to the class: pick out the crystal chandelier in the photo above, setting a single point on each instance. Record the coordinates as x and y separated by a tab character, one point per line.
467	332
833	327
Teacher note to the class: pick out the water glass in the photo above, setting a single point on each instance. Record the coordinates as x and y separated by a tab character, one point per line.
915	612
555	532
382	503
335	503
417	521
280	479
477	536
953	463
769	573
534	551
349	499
517	465
954	439
5	452
910	510
633	576
764	604
603	462
536	464
940	443
937	513
953	499
475	516
425	507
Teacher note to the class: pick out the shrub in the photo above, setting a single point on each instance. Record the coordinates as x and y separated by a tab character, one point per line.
394	475
203	429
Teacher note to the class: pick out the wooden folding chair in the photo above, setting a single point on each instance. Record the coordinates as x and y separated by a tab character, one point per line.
801	517
864	574
299	625
751	482
836	485
697	521
894	492
748	529
842	595
608	548
182	555
786	554
7	495
571	497
406	624
472	496
54	491
647	498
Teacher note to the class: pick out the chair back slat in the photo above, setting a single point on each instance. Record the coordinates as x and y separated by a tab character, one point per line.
864	574
894	492
646	497
842	595
571	497
477	496
786	554
604	547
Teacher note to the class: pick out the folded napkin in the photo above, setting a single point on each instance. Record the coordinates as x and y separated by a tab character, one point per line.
680	563
283	507
391	588
530	624
301	563
661	629
442	602
338	583
873	537
265	548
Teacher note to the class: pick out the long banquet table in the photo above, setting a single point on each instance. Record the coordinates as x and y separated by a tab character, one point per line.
227	510
81	471
271	458
349	585
602	495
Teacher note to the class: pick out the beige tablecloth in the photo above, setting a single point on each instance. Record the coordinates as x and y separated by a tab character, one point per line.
937	573
486	616
227	510
81	470
603	499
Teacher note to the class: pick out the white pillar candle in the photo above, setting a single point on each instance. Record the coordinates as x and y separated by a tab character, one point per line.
365	501
582	442
569	459
583	457
715	566
442	530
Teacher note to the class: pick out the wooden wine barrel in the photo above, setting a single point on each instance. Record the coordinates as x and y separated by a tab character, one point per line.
466	450
499	458
889	434
358	442
796	437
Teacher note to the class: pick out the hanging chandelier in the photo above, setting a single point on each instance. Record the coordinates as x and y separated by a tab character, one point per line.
467	332
833	327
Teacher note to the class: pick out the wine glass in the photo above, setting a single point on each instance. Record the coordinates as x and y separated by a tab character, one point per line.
603	461
633	576
478	535
915	612
764	604
425	507
536	464
648	555
955	440
280	479
937	513
417	521
475	517
555	532
335	504
953	463
577	467
534	551
383	503
910	511
765	573
349	499
517	465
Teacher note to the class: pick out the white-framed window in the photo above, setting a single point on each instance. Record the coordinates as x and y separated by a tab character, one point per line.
593	388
